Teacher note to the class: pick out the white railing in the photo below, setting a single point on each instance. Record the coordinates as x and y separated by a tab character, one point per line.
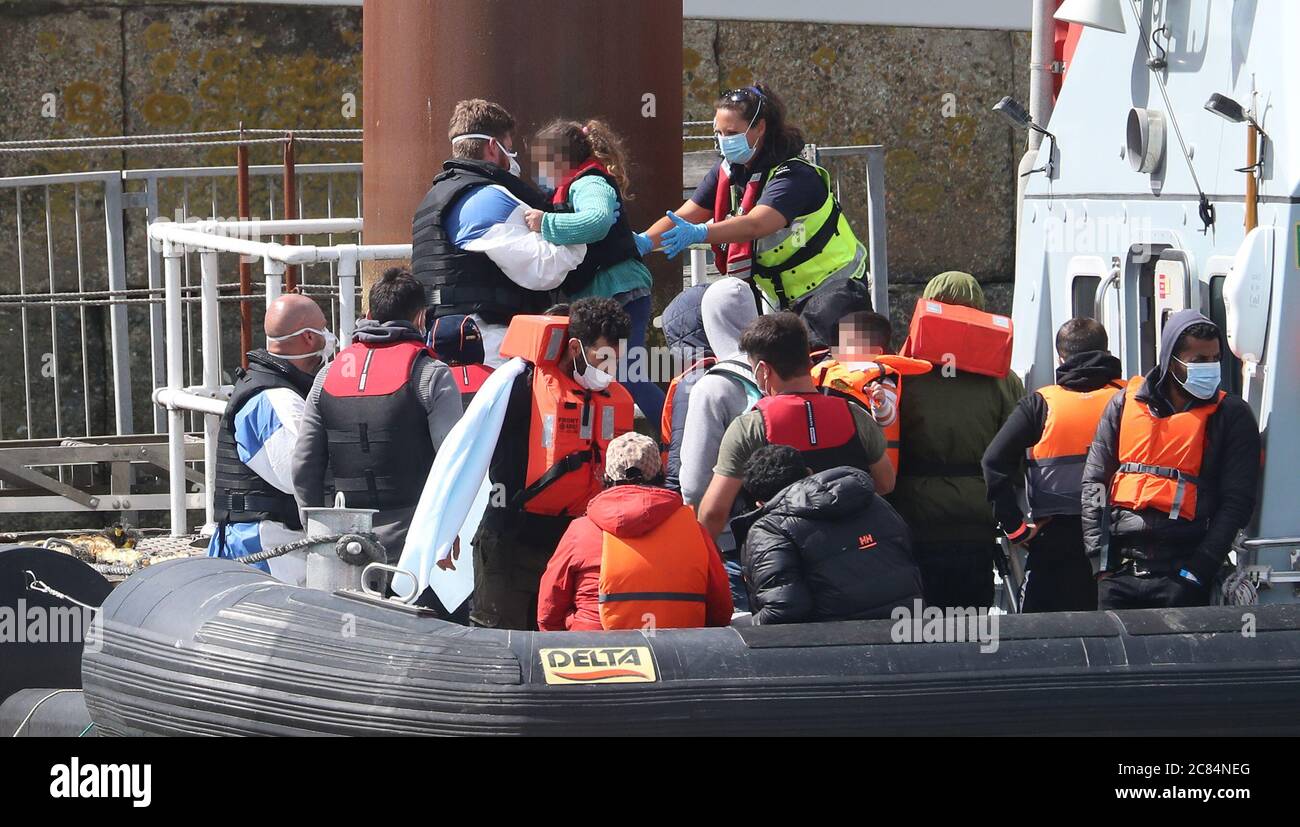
209	239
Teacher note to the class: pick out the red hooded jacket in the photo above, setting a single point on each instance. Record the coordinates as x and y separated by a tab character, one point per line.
568	599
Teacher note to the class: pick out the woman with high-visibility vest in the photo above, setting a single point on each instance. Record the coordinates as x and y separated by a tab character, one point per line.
775	218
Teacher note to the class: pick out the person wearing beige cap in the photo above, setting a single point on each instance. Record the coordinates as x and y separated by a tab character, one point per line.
637	559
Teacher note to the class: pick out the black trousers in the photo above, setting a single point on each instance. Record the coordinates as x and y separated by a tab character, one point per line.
1126	590
956	574
1058	574
507	573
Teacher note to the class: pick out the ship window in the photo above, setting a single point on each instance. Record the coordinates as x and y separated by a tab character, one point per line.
1218	313
1084	296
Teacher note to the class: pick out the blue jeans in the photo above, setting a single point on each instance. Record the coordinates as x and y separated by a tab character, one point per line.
648	396
739	594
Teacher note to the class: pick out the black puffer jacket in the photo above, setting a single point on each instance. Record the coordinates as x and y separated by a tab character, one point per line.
827	548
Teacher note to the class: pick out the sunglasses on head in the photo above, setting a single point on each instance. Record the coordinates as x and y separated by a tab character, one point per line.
748	93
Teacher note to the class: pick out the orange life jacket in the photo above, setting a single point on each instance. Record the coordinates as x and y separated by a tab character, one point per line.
569	427
1055	462
1160	457
833	378
659	579
972	340
666	419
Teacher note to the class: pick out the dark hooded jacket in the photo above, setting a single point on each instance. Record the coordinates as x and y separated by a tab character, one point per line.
1004	460
827	548
1225	499
946	421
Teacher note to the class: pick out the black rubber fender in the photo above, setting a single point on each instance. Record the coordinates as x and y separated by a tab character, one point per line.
24	663
210	647
44	713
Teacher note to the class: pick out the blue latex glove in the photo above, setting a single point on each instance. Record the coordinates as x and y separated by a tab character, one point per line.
682	235
644	244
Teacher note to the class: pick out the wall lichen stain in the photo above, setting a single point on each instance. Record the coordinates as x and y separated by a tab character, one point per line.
160	109
157	35
83	102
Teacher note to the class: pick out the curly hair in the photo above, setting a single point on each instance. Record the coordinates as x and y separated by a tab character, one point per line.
1204	331
577	141
593	318
771	469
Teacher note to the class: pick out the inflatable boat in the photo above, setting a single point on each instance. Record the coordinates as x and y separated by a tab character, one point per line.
212	647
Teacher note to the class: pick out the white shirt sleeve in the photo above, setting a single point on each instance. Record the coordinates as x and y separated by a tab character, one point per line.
524	256
270	443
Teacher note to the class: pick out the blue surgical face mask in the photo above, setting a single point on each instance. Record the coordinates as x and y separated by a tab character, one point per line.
1202	378
736	148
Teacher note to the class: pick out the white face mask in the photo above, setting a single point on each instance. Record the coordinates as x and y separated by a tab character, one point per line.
515	169
325	353
590	377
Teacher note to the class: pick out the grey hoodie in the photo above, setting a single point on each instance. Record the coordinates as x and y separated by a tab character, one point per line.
435	388
727	307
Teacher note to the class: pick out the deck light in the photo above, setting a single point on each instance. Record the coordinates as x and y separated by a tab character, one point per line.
1096	14
1018	116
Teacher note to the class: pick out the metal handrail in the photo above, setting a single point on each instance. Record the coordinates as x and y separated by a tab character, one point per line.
211	239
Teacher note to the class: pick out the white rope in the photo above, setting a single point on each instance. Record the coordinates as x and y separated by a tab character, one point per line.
38	706
150	137
97	147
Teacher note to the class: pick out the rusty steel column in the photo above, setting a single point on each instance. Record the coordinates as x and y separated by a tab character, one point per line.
245	267
560	58
290	209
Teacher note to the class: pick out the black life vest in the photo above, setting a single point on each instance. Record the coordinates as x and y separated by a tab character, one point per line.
240	495
618	245
380	451
822	428
464	281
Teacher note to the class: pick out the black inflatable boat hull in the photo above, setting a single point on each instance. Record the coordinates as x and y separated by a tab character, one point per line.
48	651
44	713
212	647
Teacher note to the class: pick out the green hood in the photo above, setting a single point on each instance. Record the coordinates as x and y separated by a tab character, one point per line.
955	287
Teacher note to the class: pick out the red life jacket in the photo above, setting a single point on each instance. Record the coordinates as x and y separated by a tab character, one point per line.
469	378
970	340
379	446
741	253
569	427
822	428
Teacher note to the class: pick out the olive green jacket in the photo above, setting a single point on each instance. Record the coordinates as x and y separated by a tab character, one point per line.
946	423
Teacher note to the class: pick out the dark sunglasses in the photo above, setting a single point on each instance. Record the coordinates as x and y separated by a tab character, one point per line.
744	95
